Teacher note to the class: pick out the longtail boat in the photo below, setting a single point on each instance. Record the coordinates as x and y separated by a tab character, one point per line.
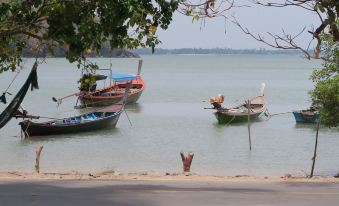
95	120
115	92
306	115
240	113
90	96
102	118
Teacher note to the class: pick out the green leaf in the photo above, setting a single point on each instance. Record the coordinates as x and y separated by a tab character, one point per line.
196	17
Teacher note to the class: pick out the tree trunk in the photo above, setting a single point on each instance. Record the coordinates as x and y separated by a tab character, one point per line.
186	160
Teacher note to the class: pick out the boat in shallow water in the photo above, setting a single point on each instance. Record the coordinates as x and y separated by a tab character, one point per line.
253	108
90	96
99	119
95	120
115	92
306	115
240	113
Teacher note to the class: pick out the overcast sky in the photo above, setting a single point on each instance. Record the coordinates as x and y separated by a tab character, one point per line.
182	33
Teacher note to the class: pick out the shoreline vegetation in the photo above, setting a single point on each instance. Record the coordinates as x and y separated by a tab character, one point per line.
154	176
215	51
125	53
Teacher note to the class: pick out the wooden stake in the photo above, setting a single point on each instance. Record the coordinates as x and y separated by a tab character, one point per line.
186	160
249	122
315	149
38	150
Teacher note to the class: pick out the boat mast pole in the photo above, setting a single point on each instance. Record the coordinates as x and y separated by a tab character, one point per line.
249	122
110	69
139	67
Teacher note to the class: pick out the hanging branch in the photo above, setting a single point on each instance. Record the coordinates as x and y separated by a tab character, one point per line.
325	10
286	41
322	8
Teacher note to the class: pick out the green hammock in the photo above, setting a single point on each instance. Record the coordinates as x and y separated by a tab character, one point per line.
12	108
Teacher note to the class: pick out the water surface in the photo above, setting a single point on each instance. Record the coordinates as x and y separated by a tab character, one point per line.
169	118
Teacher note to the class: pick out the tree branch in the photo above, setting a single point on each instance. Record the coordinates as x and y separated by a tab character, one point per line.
287	40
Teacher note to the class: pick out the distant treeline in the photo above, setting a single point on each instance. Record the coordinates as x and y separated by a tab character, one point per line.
106	52
220	51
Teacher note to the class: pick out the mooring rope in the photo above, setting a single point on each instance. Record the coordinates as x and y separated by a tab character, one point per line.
16	75
269	115
128	118
3	96
230	120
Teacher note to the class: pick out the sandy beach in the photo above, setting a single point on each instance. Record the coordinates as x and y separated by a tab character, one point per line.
153	176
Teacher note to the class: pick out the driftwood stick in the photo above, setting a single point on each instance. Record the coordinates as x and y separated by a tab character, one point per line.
38	150
315	150
186	160
249	123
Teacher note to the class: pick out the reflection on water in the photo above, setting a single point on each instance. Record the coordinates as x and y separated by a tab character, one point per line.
107	132
134	108
308	126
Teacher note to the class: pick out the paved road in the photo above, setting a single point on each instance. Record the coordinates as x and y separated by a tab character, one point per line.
153	193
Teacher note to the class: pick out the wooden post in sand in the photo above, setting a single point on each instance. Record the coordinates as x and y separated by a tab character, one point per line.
315	149
186	160
248	105
38	150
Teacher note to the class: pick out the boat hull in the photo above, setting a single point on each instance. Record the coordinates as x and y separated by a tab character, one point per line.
240	112
225	118
99	119
37	129
305	118
93	101
114	94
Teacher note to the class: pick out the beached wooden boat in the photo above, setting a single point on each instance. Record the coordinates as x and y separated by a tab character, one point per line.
99	119
306	116
115	92
240	112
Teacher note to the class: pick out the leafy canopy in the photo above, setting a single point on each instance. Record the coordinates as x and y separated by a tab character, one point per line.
326	91
79	26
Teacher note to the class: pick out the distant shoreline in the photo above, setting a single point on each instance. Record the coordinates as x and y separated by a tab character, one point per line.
215	51
136	53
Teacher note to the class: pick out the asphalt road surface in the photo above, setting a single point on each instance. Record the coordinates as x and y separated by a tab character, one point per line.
165	193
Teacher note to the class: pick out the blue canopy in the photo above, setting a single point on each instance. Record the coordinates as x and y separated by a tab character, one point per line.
122	77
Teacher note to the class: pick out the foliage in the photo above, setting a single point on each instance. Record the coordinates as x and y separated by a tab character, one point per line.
79	26
87	81
326	91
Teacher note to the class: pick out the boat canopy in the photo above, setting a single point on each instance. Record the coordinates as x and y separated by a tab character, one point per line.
117	77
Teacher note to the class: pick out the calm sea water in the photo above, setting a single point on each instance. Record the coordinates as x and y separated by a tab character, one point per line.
170	118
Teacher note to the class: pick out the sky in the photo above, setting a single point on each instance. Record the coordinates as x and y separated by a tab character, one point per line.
182	33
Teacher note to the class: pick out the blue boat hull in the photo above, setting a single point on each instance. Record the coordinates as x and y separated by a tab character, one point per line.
302	118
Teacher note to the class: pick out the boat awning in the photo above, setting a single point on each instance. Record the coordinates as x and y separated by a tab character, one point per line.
117	77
